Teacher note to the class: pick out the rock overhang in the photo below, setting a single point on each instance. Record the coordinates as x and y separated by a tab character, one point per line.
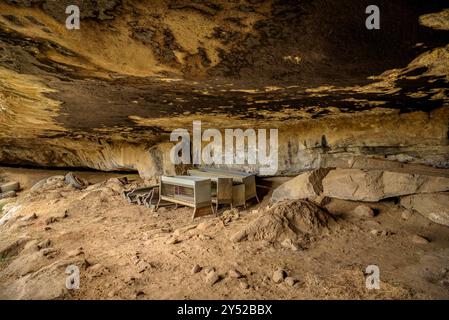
136	71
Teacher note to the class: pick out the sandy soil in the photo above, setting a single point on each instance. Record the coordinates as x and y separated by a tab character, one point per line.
129	252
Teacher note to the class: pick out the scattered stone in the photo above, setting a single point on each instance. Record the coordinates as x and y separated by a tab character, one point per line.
96	267
7	195
364	211
230	215
51	220
306	186
204	237
30	217
406	214
279	275
289	244
212	278
386	233
433	206
9	186
143	266
49	252
243	284
63	215
375	232
416	238
172	240
180	231
77	252
233	273
72	180
209	270
375	185
139	293
290	281
44	244
196	268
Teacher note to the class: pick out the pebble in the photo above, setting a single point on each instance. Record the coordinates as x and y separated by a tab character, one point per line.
289	244
233	273
406	214
243	284
209	270
172	240
196	268
76	252
279	275
290	281
51	220
364	211
212	278
30	217
416	238
44	244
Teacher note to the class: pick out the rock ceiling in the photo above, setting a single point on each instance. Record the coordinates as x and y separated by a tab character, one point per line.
104	95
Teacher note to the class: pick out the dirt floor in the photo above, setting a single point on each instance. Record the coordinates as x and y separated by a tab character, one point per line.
127	251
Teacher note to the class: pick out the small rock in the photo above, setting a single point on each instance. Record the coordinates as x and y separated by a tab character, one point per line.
386	233
44	244
196	268
279	275
416	238
172	240
96	267
290	281
139	293
204	237
30	217
233	273
51	220
212	278
289	244
364	211
375	232
209	270
406	214
63	215
243	284
76	252
49	252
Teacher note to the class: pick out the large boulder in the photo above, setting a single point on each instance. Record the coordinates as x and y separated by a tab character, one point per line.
375	185
434	206
306	186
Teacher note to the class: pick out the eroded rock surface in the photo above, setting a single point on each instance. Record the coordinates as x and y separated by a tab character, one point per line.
434	206
108	95
374	185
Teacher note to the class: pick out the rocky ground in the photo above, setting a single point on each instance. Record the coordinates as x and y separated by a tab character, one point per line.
294	249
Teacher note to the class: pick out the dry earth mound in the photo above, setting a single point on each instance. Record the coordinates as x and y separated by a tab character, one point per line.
298	220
